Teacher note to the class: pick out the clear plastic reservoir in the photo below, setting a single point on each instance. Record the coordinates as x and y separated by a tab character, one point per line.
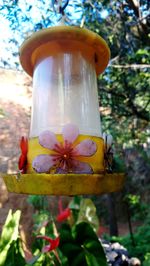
65	91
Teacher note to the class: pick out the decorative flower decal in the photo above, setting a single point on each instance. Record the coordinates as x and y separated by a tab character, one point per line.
22	163
64	214
53	243
65	157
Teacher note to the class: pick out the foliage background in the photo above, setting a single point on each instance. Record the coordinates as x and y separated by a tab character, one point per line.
123	88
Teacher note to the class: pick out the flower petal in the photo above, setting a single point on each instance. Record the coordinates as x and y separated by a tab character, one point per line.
24	145
81	167
53	243
70	132
86	148
63	215
22	163
42	163
48	140
46	249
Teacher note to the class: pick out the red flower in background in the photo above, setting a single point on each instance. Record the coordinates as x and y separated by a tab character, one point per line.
63	214
22	163
103	230
53	243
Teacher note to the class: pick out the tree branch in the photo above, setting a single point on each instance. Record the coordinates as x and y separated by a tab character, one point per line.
132	109
144	29
135	66
137	111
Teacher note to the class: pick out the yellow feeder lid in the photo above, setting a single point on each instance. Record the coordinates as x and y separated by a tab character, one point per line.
57	39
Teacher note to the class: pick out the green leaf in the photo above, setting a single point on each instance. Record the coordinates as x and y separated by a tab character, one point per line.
15	254
75	206
79	259
83	231
91	260
71	250
86	237
82	246
88	214
9	234
95	252
63	258
65	233
75	203
39	202
147	259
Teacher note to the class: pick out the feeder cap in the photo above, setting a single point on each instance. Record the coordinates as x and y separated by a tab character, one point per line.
58	34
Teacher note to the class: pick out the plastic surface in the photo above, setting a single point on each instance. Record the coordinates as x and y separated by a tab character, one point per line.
46	184
64	38
65	91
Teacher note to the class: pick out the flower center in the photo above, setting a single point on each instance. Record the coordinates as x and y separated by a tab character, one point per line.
64	152
66	156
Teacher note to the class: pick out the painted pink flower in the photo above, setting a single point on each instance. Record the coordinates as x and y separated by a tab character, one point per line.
53	243
65	157
64	214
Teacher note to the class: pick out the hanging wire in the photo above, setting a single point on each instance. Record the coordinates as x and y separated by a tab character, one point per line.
59	7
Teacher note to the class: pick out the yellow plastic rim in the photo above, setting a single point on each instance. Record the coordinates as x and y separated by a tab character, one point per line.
83	39
60	184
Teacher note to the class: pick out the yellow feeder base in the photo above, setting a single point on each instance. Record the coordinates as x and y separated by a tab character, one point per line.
61	184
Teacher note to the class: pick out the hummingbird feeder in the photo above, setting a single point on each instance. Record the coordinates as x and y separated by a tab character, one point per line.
65	153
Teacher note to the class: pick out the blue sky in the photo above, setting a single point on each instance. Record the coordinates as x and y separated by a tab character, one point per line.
28	14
